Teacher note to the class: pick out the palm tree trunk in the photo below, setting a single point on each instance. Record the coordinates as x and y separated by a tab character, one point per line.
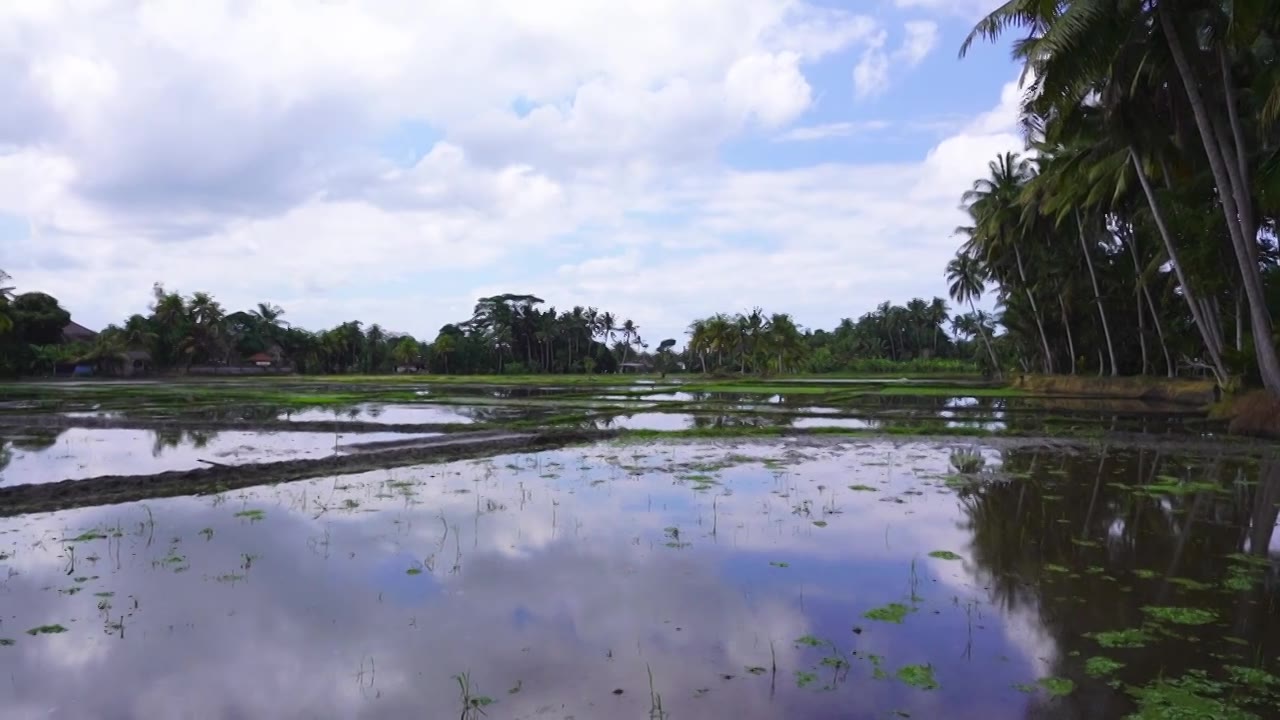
1071	343
1155	317
995	364
1035	311
1231	192
1141	290
1097	298
1212	343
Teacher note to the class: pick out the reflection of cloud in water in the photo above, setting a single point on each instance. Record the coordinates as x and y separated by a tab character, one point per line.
77	453
552	571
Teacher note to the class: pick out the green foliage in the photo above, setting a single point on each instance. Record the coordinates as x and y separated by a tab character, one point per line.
944	555
1109	247
1099	666
918	676
1181	615
891	613
1128	638
1190	697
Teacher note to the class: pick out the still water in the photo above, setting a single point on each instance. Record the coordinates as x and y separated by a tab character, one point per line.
50	455
798	580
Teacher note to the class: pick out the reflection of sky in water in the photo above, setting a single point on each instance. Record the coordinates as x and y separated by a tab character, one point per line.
380	413
854	423
651	421
84	453
566	574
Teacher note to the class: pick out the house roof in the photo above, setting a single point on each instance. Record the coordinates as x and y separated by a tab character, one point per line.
76	331
261	357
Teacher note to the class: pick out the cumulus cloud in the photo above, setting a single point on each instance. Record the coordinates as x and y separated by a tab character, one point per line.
235	147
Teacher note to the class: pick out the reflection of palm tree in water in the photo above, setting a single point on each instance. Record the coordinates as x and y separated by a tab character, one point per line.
1064	543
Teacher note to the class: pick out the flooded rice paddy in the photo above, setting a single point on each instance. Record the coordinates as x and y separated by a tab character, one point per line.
74	453
1131	569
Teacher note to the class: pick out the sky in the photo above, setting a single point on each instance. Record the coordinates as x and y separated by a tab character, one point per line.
392	162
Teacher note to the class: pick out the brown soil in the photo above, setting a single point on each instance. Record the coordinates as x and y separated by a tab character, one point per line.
1182	391
111	489
1255	413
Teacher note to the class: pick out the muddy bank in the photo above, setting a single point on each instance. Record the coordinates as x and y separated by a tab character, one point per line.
51	420
1181	391
112	489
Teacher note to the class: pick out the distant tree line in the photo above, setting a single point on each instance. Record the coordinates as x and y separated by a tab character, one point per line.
506	334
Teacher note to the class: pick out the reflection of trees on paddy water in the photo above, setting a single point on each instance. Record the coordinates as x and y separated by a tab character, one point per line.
1069	538
166	438
36	439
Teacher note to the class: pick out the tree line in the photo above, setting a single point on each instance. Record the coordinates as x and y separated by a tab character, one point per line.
1137	233
506	334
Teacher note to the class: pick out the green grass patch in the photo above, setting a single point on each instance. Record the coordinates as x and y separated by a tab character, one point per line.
1180	615
1128	638
944	555
918	676
891	613
1099	666
46	630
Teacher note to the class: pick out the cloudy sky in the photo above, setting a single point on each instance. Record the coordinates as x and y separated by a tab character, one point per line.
392	162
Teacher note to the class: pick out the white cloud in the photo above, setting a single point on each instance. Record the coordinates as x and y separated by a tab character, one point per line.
968	9
921	38
831	130
235	147
871	74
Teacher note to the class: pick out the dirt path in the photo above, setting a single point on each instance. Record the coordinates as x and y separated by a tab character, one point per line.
111	489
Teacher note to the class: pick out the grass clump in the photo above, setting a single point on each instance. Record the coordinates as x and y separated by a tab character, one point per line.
1180	615
944	555
918	676
891	613
1100	666
46	630
1128	638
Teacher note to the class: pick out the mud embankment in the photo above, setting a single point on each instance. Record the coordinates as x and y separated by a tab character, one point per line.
111	489
1180	391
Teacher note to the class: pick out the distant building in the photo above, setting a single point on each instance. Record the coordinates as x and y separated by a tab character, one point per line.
75	332
262	359
135	362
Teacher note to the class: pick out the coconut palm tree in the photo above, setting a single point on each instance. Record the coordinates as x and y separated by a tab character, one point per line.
1000	229
965	273
1197	51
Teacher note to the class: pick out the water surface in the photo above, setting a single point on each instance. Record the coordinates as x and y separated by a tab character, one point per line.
784	580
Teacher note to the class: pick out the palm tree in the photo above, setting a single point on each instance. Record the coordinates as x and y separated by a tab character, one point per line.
630	336
1075	48
999	227
267	318
965	274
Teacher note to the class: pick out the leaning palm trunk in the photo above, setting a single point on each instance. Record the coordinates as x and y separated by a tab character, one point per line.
1097	298
1035	311
995	364
1232	192
1213	344
1155	317
1071	343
